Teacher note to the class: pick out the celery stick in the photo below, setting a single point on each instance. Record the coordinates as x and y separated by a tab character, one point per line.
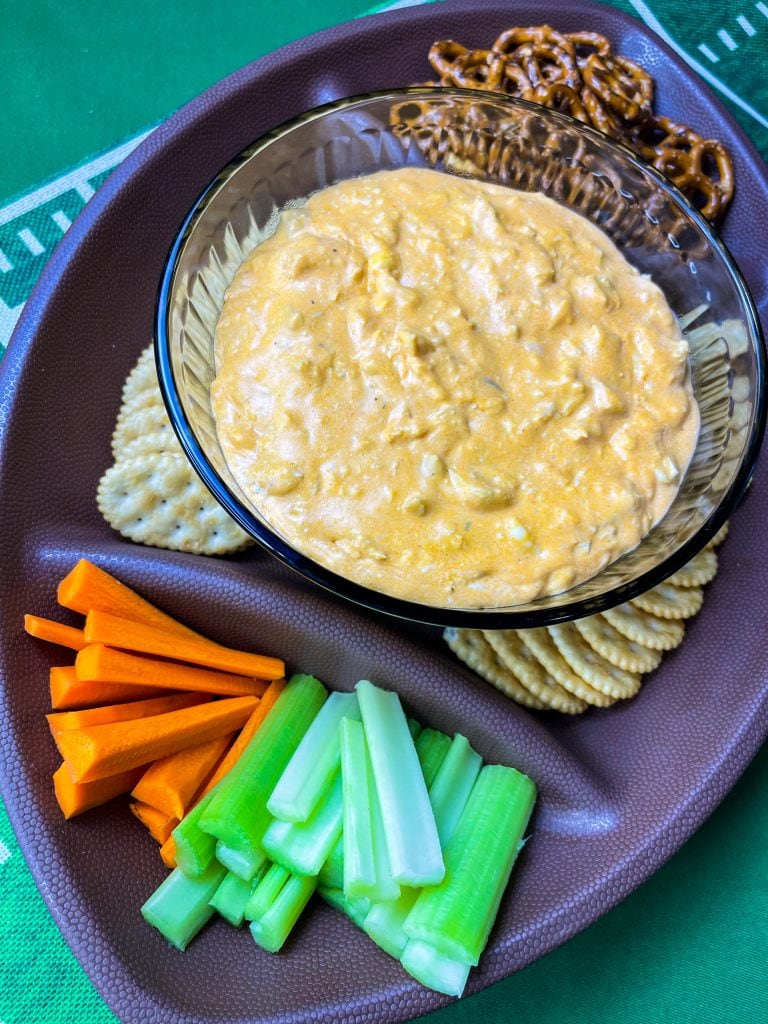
413	728
310	772
231	897
331	874
431	747
453	783
409	824
195	849
437	972
237	813
303	847
366	868
384	922
456	916
355	909
266	891
246	864
180	906
273	927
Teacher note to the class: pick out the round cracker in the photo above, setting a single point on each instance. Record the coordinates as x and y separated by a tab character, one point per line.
586	662
514	655
156	442
615	647
143	376
645	629
474	650
701	569
159	500
133	423
720	536
540	643
667	601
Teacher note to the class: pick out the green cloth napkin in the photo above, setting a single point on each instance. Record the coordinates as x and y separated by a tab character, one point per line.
691	945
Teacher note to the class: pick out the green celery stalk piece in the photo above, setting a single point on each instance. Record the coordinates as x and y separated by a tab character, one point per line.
384	922
331	874
230	898
246	864
266	891
431	747
452	785
430	968
180	906
237	812
448	795
366	869
413	728
274	926
456	916
195	849
303	847
355	909
311	771
411	836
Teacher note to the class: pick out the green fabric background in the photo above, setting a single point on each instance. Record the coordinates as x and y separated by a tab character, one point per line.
691	945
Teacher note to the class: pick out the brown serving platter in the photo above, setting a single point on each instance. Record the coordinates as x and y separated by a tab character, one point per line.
620	789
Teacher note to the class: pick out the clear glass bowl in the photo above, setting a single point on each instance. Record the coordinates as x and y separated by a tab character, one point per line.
526	147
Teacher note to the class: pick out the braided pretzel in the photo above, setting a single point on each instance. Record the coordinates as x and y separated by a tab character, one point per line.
587	43
621	84
546	63
538	35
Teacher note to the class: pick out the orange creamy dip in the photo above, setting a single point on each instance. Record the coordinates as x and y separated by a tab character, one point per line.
451	391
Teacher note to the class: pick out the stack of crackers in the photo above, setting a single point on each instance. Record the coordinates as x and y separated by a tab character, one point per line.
151	494
592	662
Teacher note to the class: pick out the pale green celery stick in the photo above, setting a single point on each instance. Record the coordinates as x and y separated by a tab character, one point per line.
180	906
355	909
453	783
456	916
409	824
237	813
195	849
366	870
266	891
430	968
246	864
232	895
384	922
304	846
448	794
274	926
413	728
310	772
331	874
431	747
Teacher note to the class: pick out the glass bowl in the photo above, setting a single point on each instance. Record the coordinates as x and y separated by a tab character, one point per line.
527	147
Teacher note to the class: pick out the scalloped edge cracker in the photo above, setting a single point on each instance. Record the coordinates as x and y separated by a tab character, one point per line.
616	648
514	655
595	670
474	650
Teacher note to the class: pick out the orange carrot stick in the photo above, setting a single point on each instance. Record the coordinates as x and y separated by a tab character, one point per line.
100	750
54	632
104	628
158	824
99	664
123	712
170	783
86	587
67	691
168	852
76	797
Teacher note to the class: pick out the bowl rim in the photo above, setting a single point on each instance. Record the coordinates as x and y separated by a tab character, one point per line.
504	617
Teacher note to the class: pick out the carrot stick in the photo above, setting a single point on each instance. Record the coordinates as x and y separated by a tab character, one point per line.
159	825
170	783
100	664
123	712
76	797
54	632
168	852
86	587
67	691
100	750
104	628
